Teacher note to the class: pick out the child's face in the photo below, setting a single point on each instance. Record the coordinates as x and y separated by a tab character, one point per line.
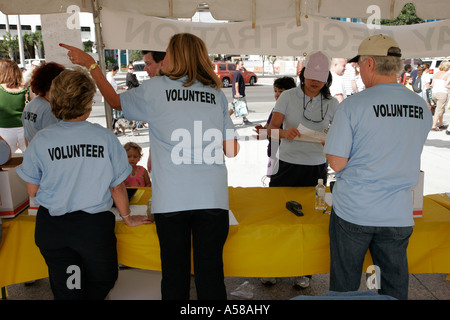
277	92
133	157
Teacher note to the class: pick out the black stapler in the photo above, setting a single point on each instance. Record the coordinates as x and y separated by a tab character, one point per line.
295	208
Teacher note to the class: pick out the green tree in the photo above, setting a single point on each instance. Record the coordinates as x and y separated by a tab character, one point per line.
272	60
406	16
263	58
135	55
28	45
88	45
33	45
9	46
36	38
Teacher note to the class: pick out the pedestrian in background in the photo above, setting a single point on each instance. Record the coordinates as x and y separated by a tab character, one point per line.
14	95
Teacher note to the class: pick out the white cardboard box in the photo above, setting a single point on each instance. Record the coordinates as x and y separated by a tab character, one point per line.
13	193
417	194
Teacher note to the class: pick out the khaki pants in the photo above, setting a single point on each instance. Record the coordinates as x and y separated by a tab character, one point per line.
440	99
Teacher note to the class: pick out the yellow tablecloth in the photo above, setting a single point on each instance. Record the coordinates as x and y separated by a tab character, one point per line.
268	241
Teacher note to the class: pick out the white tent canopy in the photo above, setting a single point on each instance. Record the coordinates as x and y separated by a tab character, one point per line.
238	10
261	27
279	37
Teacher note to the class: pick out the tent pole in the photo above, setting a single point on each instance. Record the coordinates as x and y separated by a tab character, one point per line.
101	55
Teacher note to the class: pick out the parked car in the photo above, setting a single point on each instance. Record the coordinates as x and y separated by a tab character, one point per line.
225	71
28	62
139	71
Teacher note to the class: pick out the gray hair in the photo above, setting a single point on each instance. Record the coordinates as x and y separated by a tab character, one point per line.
389	65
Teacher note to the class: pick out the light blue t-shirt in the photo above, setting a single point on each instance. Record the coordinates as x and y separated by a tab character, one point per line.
381	131
315	115
5	152
36	116
187	127
75	164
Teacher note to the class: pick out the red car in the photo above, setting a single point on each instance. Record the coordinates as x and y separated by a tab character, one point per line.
225	71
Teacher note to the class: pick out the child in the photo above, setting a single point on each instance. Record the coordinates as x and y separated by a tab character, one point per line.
279	85
139	176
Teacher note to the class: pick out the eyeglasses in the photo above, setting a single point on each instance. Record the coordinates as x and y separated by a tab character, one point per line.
130	68
322	115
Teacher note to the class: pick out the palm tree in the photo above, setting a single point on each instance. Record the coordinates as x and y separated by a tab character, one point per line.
37	43
9	46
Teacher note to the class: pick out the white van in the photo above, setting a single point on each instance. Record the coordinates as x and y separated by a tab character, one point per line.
28	62
434	63
139	71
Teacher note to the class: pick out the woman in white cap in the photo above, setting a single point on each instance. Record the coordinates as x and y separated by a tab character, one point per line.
302	163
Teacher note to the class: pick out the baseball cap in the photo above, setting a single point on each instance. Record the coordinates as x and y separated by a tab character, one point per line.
377	45
317	67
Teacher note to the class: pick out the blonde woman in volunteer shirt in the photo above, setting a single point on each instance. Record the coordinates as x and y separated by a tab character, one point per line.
190	131
75	169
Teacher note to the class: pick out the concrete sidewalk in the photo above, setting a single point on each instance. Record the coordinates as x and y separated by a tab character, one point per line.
248	169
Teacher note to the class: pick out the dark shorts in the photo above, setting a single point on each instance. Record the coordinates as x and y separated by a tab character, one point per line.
296	175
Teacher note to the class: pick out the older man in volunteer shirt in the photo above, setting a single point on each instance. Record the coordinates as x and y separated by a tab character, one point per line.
374	145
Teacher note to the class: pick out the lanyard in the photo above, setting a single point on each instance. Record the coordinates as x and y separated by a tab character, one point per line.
322	115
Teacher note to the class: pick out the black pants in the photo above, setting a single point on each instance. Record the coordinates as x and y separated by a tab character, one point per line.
296	175
209	230
80	251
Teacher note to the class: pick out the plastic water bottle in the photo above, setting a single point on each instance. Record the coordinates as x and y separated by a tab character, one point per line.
320	196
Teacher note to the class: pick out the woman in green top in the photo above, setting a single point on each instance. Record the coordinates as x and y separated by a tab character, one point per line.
12	102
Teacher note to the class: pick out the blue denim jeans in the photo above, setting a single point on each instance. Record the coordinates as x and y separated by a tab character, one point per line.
387	245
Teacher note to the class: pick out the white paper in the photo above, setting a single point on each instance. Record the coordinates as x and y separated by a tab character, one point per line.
142	210
56	29
310	135
232	218
135	210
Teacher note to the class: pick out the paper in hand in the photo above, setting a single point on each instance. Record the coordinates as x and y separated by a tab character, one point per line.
310	135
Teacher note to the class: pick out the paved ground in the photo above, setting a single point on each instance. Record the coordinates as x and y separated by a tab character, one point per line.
248	170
